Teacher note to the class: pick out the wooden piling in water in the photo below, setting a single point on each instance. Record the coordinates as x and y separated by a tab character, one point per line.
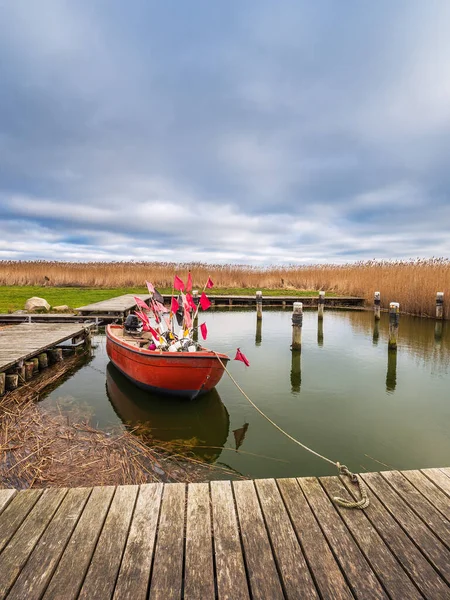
29	370
391	374
35	362
259	305
439	305
320	304
55	355
2	383
320	332
394	318
377	306
11	381
258	336
297	323
296	371
43	360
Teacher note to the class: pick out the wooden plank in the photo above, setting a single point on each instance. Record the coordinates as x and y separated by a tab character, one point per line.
16	553
102	573
327	574
134	574
119	303
6	496
199	568
438	524
261	568
230	570
355	566
394	579
35	575
446	471
438	478
428	543
166	581
69	575
429	490
15	513
295	575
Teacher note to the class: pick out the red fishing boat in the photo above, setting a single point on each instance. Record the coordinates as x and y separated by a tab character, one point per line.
180	373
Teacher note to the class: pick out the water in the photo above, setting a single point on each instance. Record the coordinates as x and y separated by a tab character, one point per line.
346	396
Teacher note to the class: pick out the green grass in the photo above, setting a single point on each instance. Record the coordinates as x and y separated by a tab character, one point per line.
14	297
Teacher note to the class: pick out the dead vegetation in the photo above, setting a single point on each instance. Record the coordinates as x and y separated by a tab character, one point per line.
42	449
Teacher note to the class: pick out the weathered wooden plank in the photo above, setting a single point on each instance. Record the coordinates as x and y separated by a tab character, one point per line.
394	579
15	513
327	573
19	548
199	567
295	575
102	573
429	490
415	564
69	575
167	574
355	566
119	303
446	470
261	568
230	569
35	575
134	574
428	543
438	524
6	496
439	478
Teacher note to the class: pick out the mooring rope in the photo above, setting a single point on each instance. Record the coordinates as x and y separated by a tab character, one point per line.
343	471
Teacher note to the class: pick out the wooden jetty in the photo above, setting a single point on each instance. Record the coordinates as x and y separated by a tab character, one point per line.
265	539
120	306
330	301
21	342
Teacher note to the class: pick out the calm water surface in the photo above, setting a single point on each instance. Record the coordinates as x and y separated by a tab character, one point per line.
346	396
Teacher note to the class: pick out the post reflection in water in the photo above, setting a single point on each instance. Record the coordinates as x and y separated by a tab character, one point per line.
205	419
320	332
296	371
438	328
391	375
258	336
376	332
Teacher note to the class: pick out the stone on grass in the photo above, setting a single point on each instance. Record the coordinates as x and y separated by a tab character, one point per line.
35	303
61	308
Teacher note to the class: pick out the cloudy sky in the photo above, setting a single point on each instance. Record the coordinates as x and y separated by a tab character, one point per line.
246	131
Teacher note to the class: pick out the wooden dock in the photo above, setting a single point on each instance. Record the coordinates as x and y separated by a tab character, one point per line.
24	341
265	539
330	301
120	306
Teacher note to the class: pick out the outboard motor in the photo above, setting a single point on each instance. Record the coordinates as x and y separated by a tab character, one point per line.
133	324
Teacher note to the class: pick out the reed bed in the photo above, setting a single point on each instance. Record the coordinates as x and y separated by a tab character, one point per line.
413	283
39	448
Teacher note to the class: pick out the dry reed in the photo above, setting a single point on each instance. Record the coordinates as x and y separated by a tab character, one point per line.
413	283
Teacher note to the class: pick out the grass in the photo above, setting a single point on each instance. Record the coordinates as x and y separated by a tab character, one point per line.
13	297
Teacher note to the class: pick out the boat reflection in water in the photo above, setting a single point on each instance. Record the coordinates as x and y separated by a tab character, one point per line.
167	419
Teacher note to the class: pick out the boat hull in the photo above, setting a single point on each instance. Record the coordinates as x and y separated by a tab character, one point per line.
175	374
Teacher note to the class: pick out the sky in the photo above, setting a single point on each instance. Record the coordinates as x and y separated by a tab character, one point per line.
246	131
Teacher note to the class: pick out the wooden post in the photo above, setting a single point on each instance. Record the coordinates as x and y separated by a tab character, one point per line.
29	370
21	374
394	317
43	360
438	328
377	306
259	305
391	375
258	336
439	305
55	355
320	332
11	381
296	371
297	322
376	332
35	362
283	303
2	383
320	305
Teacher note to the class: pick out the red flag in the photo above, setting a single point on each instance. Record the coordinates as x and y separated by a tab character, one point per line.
189	283
178	284
154	333
204	330
141	303
209	283
151	289
204	301
174	305
159	307
187	319
191	302
241	357
143	317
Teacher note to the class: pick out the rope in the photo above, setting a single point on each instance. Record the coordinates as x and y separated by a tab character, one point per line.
343	471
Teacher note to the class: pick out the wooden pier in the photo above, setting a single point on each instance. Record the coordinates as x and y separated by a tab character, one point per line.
21	342
265	539
330	301
120	306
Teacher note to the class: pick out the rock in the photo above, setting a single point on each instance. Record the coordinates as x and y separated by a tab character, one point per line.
61	308
35	303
